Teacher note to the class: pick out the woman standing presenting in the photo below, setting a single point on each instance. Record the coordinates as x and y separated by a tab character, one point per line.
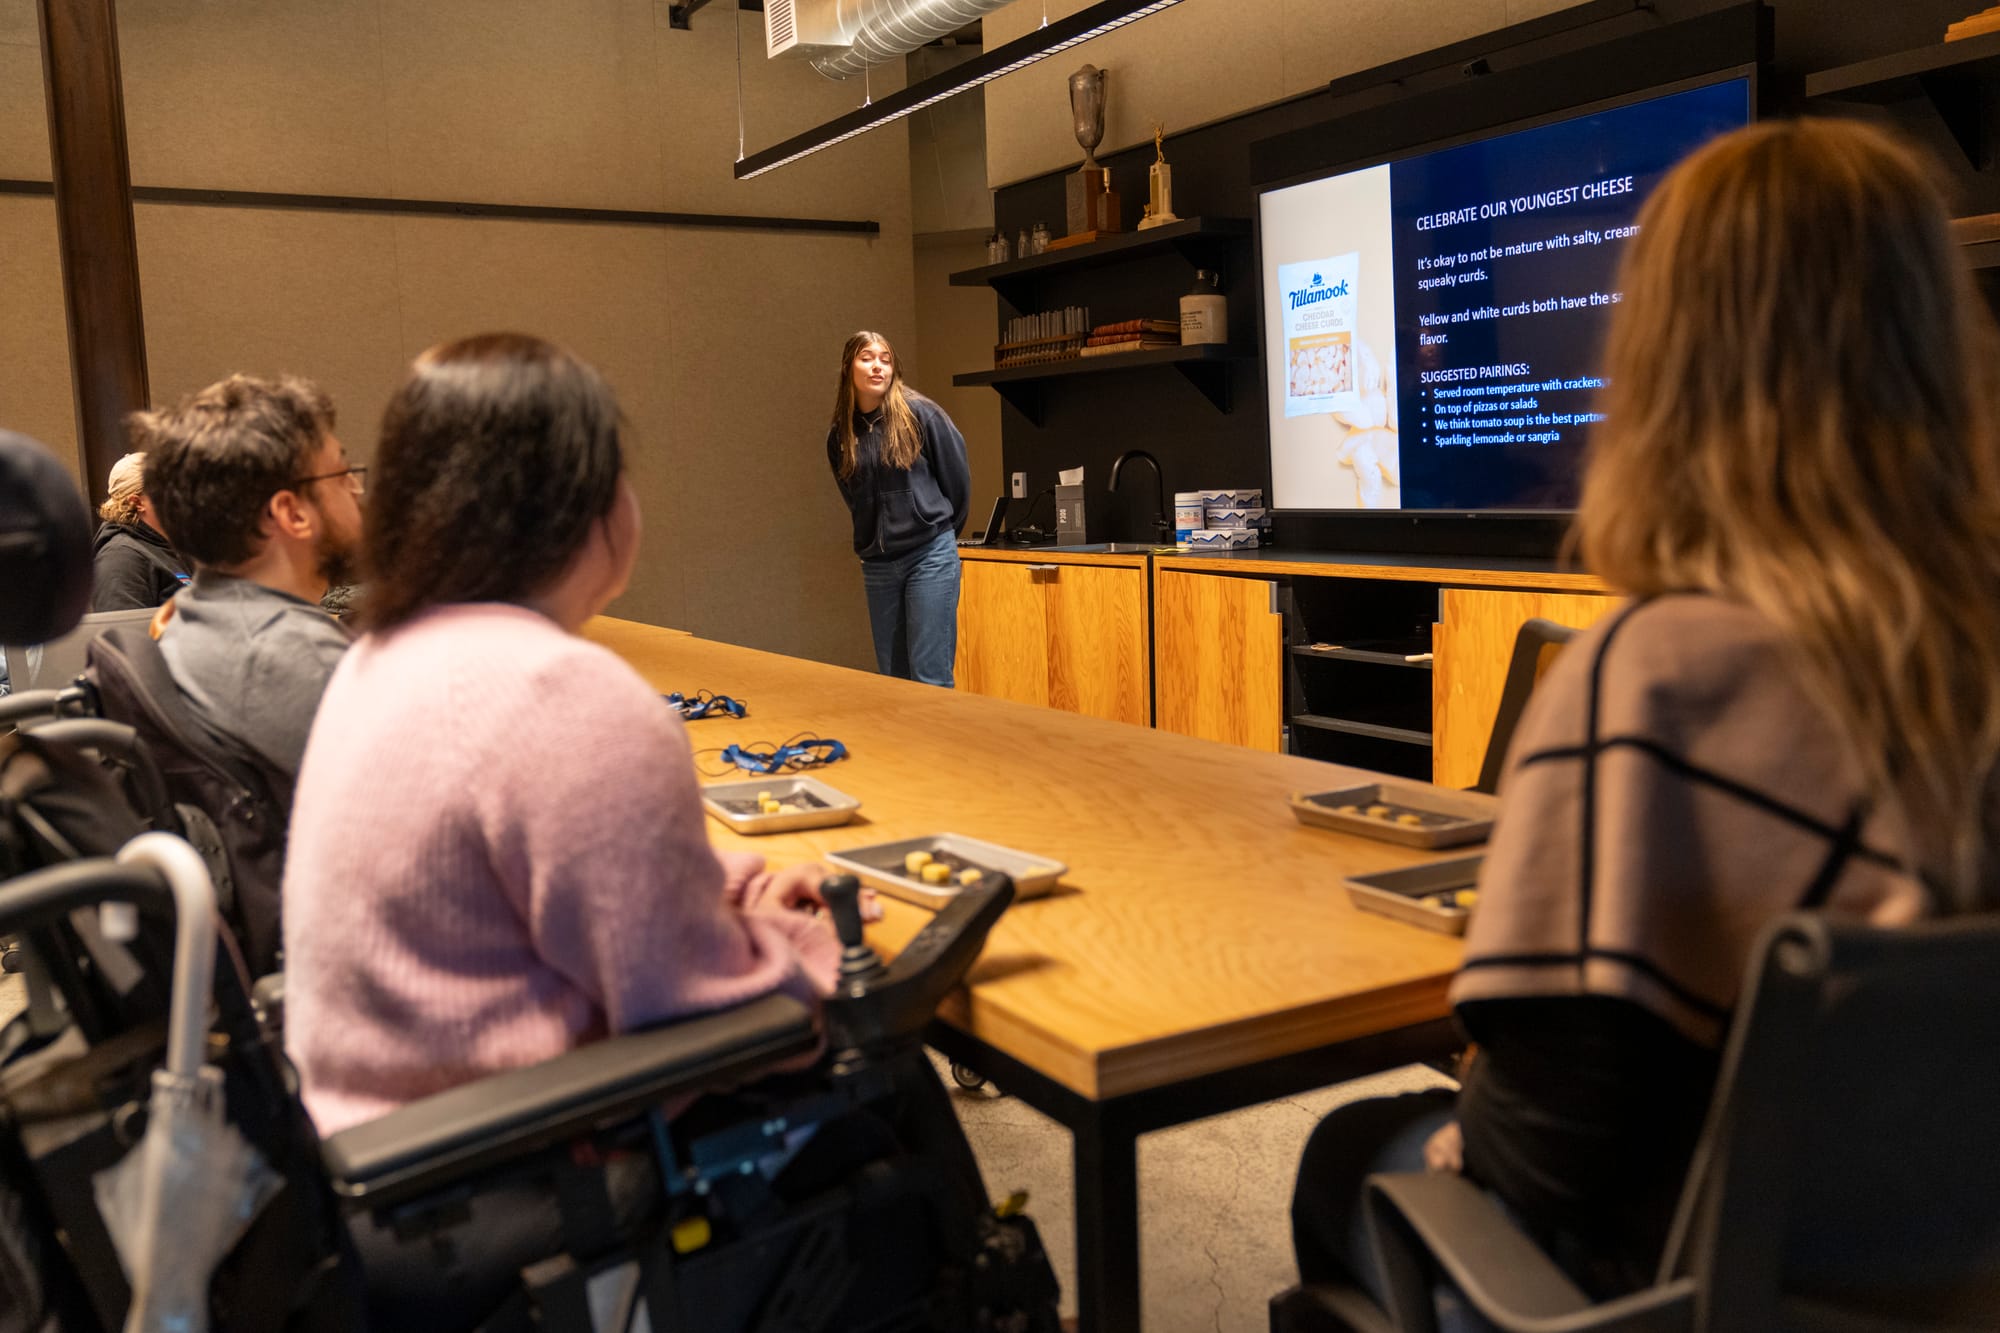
901	467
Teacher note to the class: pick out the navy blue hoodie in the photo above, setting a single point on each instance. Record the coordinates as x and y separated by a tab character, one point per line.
896	512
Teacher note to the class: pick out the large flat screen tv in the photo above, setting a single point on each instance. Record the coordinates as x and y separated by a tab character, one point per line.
1433	325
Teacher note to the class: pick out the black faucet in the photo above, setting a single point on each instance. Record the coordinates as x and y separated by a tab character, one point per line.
1162	525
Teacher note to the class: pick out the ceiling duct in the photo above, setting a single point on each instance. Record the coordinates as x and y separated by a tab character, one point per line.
874	32
807	28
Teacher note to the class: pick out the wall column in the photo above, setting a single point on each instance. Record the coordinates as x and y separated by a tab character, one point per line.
100	256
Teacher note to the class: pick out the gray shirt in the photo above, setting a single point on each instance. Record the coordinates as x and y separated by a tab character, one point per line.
252	662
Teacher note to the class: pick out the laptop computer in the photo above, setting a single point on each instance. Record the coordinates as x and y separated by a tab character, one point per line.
989	534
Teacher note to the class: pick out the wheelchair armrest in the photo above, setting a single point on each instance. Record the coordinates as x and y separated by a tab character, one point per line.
1499	1270
897	1003
444	1138
28	706
1317	1309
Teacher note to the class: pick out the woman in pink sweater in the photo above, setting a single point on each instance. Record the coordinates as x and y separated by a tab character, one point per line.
497	851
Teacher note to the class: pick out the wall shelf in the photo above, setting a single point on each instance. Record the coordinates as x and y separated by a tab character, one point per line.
1204	365
1201	241
1979	240
1401	735
1961	80
1362	655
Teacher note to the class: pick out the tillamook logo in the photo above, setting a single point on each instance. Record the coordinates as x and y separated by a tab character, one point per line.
1316	293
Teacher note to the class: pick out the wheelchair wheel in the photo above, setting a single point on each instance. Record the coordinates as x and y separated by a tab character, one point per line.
966	1077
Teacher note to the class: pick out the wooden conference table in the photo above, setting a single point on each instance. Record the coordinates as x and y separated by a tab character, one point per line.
1199	956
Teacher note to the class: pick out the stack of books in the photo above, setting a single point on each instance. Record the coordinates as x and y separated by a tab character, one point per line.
1133	335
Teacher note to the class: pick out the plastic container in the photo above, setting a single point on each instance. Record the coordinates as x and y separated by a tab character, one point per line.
1190	515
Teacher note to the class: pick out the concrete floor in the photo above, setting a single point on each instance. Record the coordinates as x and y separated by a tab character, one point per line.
1215	1236
1214	1198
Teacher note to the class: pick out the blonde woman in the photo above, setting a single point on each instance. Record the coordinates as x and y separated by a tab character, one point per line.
900	465
1798	488
134	565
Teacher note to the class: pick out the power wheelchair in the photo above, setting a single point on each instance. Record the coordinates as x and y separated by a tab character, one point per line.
891	1229
900	1237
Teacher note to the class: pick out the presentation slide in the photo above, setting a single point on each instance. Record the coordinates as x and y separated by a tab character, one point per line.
1433	327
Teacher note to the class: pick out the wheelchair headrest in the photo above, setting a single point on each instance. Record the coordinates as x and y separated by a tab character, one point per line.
45	533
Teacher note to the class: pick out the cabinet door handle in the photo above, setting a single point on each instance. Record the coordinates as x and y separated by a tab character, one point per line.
1043	569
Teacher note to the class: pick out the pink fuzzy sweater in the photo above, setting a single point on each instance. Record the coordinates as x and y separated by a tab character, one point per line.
498	854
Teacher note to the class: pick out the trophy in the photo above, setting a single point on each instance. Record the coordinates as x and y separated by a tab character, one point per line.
1160	185
1093	204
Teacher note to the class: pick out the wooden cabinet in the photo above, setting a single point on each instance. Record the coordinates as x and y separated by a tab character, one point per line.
1471	646
1218	661
1391	666
1062	635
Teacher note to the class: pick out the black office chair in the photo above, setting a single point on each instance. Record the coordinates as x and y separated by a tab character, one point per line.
1536	644
1848	1180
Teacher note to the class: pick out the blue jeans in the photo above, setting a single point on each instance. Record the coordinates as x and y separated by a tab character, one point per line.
1355	1141
913	610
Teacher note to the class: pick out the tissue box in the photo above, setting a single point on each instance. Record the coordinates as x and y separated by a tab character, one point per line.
1073	520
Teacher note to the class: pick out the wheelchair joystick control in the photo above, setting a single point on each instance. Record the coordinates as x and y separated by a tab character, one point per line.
858	962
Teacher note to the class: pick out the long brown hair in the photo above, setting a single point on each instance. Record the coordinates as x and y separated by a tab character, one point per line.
499	455
1801	417
902	441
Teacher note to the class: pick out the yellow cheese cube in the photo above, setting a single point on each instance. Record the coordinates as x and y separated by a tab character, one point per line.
914	863
937	872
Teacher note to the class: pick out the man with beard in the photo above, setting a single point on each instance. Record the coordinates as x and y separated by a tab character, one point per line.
266	506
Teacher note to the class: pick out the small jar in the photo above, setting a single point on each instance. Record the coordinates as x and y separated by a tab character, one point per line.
1040	240
1205	311
1001	254
1022	245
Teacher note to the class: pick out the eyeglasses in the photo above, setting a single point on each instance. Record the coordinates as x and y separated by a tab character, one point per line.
356	477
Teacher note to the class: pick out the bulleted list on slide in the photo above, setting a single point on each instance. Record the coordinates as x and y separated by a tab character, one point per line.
1436	324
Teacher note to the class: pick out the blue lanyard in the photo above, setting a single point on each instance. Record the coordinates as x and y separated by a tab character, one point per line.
806	752
703	704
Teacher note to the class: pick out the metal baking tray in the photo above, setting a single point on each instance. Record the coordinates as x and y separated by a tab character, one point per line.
1419	894
1416	815
882	865
808	802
